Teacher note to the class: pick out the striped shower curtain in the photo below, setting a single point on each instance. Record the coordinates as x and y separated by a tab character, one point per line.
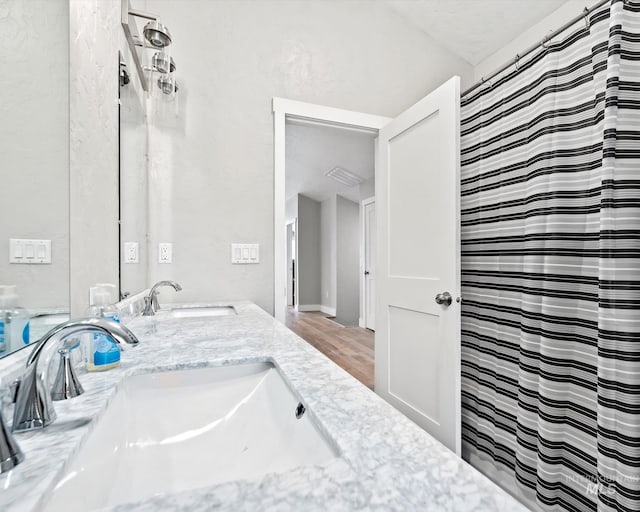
550	196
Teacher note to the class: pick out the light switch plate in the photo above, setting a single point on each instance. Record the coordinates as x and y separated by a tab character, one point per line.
131	252
30	252
165	252
243	254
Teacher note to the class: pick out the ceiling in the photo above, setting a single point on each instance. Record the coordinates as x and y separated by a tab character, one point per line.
311	150
474	29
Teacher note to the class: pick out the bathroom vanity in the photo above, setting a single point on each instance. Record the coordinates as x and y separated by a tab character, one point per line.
226	408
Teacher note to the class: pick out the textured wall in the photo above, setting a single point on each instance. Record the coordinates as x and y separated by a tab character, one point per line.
34	145
95	33
211	159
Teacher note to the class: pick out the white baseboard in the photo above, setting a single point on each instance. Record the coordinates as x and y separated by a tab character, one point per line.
361	322
328	311
317	307
309	307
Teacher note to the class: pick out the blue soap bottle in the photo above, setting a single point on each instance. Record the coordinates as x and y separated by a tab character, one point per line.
102	352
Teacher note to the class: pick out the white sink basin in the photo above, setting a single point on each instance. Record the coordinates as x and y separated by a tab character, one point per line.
201	311
179	430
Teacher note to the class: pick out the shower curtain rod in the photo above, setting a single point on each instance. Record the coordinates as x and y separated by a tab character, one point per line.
519	56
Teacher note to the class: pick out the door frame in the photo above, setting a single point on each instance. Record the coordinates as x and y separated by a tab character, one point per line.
284	109
363	261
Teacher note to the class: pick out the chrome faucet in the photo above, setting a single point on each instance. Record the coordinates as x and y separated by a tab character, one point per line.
151	300
34	407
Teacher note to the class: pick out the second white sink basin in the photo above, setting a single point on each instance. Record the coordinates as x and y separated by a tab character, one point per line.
179	430
201	311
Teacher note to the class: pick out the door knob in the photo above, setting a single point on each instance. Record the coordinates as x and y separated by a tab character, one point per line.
444	299
366	272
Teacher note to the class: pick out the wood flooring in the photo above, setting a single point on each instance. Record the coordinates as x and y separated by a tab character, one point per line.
349	347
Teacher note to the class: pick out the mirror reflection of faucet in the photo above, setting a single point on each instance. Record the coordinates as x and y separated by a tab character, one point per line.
151	301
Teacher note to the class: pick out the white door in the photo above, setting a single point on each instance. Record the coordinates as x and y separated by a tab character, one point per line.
370	265
289	251
417	349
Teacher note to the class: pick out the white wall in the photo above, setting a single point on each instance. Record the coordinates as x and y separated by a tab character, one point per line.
291	208
308	257
34	145
213	161
328	255
368	188
534	34
347	261
340	259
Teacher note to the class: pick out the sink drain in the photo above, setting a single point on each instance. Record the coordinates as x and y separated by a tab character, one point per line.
300	410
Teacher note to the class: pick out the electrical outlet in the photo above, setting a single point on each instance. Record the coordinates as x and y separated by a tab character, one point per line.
165	252
131	253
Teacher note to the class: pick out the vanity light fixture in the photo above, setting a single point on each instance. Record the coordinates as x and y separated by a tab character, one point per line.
124	74
156	36
167	84
163	63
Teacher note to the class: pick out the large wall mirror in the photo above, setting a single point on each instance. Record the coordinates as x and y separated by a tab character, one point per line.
145	72
34	168
133	191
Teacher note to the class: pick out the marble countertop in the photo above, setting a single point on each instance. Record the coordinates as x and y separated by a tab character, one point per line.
386	462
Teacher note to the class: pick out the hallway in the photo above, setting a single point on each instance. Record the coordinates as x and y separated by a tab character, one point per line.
351	348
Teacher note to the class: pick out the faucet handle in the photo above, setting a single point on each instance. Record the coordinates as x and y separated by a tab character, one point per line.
13	390
66	384
148	307
10	453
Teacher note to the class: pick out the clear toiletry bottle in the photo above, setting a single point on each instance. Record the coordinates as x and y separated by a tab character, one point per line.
102	352
14	321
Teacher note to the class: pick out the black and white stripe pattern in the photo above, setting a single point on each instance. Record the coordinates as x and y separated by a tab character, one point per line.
551	269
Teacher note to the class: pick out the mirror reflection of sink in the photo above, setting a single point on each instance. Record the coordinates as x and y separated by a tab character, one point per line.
42	323
201	311
178	430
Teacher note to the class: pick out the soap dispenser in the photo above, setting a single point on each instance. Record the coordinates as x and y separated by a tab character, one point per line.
14	321
101	352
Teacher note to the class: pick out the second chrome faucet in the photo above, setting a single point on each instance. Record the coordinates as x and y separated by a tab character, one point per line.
151	300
